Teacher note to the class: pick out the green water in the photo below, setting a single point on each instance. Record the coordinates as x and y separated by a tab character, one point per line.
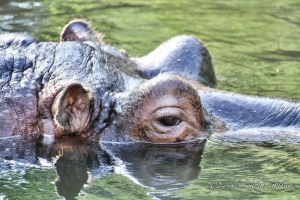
255	49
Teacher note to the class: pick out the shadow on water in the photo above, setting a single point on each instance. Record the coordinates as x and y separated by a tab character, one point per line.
157	167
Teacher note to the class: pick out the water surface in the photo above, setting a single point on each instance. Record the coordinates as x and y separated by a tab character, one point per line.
255	49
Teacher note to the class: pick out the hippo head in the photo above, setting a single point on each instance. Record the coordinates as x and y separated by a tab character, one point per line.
81	86
158	101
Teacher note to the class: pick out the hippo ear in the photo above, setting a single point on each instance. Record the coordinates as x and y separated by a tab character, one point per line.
182	55
78	30
72	109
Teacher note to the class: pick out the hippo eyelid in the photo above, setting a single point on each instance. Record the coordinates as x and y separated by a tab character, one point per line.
168	114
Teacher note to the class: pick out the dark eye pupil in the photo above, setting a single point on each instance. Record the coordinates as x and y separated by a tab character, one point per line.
169	121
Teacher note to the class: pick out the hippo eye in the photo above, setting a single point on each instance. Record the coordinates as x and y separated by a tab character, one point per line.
169	121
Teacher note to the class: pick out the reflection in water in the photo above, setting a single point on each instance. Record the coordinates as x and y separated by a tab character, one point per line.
160	167
71	178
72	161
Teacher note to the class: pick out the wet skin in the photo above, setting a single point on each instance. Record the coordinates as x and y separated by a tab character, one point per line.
81	86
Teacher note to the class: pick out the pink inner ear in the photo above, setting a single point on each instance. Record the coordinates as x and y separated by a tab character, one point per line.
71	109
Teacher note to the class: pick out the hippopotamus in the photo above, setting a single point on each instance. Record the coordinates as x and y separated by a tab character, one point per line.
85	88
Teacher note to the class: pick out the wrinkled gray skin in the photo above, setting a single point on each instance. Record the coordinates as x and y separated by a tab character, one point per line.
114	89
